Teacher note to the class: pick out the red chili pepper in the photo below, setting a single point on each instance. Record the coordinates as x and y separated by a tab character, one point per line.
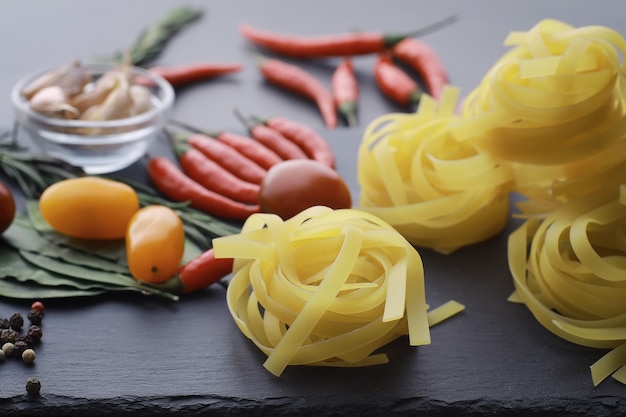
231	159
310	141
297	80
182	75
254	150
273	139
345	89
344	44
203	271
176	185
215	177
394	82
424	60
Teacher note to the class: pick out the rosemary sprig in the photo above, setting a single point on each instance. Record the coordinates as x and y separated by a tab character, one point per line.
152	40
33	172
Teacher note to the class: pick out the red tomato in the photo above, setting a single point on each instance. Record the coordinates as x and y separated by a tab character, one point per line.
295	185
7	207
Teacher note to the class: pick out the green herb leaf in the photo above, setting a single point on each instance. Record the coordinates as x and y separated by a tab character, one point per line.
152	40
33	290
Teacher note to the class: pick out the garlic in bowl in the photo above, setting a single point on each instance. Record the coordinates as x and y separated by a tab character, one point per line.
99	117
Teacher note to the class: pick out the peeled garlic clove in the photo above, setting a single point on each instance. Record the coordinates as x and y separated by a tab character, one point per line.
52	101
142	99
96	95
116	106
72	78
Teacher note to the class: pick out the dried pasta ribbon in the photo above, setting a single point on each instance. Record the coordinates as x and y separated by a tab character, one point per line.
569	269
437	192
326	288
553	107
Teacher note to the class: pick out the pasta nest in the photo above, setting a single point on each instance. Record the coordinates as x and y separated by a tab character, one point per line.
326	288
553	106
438	192
569	269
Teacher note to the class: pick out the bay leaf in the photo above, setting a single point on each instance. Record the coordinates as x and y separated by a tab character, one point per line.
90	274
21	235
10	288
113	250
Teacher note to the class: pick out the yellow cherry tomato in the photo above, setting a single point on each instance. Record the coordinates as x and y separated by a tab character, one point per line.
155	243
89	207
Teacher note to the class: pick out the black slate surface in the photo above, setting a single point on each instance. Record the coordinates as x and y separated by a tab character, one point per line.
134	355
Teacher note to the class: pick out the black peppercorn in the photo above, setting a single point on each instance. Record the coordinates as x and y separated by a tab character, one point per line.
16	321
19	347
35	316
26	339
8	335
35	333
33	386
4	323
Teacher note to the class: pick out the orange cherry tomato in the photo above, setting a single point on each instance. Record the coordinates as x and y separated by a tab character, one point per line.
294	185
89	207
7	208
155	243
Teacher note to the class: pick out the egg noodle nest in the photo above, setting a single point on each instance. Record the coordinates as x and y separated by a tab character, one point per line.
546	123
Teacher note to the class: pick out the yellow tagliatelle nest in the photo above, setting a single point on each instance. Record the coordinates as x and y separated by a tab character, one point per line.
437	192
553	106
570	271
326	287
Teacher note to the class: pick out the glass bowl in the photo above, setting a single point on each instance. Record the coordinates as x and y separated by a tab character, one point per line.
98	147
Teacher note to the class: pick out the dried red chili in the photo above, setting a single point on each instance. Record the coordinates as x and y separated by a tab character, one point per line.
172	182
307	138
214	176
203	271
394	82
182	75
424	61
345	90
299	81
345	44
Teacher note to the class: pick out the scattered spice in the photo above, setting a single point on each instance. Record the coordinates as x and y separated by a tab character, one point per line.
7	348
37	305
19	347
16	321
35	316
8	335
33	386
29	356
35	333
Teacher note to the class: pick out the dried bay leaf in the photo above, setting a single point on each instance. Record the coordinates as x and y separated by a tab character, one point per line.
32	290
112	250
80	272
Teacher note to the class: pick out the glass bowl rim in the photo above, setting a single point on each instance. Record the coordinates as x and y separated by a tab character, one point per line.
166	102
